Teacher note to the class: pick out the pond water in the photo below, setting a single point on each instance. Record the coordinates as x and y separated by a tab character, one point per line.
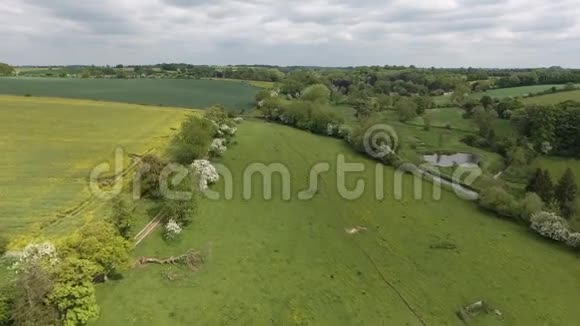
449	160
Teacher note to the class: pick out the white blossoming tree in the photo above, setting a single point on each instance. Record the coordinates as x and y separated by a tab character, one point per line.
206	173
218	147
331	129
172	230
36	254
573	240
550	226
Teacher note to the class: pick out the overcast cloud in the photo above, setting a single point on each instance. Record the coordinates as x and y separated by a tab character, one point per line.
452	33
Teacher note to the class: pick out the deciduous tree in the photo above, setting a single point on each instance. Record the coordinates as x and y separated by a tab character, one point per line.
73	294
99	243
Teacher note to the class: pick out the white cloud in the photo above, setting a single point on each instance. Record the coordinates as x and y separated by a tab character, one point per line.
300	32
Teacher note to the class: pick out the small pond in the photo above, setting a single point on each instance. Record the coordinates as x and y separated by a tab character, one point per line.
450	160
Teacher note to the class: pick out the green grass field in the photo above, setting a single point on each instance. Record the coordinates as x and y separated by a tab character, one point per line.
516	91
554	98
50	145
168	92
442	117
291	263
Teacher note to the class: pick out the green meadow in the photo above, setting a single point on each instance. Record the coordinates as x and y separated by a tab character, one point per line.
50	145
554	98
516	91
290	262
186	93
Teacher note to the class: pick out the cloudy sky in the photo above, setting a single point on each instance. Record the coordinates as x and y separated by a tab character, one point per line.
452	33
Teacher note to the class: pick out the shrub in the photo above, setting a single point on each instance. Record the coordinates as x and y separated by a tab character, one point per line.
262	95
345	132
180	211
150	170
3	246
321	118
427	122
217	114
4	309
498	200
531	205
122	217
573	240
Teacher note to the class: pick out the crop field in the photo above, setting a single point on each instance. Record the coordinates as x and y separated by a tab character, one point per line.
38	72
165	92
50	145
554	98
255	83
292	263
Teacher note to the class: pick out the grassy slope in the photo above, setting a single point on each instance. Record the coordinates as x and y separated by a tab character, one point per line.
291	263
49	146
554	98
167	92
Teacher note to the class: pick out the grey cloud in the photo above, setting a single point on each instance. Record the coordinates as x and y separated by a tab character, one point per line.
96	17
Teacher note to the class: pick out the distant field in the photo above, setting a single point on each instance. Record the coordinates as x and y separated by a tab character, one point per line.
444	116
291	262
255	83
49	146
167	92
516	91
554	98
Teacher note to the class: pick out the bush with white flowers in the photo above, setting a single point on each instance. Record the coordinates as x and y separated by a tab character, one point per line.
36	253
331	129
573	240
206	173
172	230
238	120
345	132
218	147
285	119
227	130
550	226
